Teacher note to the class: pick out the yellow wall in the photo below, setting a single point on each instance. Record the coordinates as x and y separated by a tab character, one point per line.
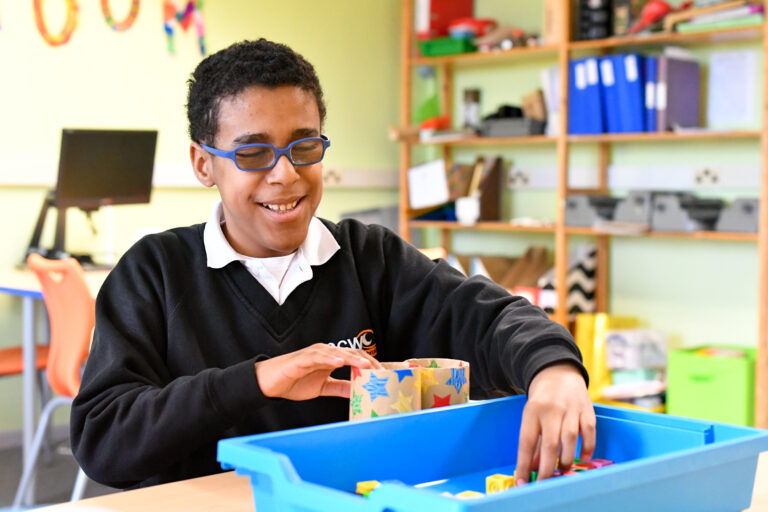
106	79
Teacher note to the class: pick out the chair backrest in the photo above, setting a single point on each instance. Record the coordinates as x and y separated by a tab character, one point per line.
71	311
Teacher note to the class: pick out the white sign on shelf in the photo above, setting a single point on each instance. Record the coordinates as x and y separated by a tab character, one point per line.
731	97
427	185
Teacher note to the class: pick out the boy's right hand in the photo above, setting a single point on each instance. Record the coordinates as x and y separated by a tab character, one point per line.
306	373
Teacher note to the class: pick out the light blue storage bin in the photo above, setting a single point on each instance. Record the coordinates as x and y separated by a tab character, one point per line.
661	463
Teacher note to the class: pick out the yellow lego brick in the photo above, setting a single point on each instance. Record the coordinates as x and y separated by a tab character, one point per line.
366	487
469	494
498	483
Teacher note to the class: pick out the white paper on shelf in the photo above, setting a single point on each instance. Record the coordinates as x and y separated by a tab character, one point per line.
731	96
427	185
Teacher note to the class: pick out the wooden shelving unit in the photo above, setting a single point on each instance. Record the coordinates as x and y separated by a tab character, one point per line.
563	53
482	226
661	137
496	141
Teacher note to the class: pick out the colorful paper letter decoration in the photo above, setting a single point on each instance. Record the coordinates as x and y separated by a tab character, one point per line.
173	16
69	24
120	25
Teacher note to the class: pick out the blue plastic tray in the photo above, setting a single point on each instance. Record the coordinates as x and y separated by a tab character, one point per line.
662	463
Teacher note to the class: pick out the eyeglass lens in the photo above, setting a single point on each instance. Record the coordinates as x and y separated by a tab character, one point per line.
259	157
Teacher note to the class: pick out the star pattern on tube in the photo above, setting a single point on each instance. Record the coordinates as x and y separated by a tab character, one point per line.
457	379
376	387
355	403
401	374
441	401
404	403
428	378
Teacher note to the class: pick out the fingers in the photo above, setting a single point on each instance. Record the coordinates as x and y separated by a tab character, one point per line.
588	434
321	356
302	375
547	434
336	387
569	437
529	437
374	363
550	446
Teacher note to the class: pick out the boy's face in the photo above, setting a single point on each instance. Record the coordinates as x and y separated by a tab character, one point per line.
275	116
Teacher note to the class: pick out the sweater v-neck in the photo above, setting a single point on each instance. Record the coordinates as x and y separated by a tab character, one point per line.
278	319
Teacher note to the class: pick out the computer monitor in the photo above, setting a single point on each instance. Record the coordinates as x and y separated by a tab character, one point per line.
97	168
101	167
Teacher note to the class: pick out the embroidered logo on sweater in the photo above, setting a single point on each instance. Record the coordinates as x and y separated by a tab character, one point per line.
364	340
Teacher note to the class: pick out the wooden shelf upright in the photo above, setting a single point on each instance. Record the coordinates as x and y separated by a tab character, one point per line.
563	51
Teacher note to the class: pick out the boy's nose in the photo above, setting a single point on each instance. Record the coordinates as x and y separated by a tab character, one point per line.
284	172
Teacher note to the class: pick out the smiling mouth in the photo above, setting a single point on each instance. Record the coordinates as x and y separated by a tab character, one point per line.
281	208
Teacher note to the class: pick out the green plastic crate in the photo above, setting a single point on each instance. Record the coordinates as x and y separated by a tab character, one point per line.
446	46
711	388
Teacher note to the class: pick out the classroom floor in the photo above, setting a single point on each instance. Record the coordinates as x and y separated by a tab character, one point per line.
55	477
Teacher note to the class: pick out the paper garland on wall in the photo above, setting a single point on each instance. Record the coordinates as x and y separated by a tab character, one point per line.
127	22
173	16
69	25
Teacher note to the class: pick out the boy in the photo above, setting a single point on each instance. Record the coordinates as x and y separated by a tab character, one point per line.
239	326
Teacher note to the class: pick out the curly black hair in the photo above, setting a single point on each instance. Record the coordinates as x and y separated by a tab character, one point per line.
228	72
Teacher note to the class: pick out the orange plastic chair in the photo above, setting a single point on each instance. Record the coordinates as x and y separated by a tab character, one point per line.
71	312
12	363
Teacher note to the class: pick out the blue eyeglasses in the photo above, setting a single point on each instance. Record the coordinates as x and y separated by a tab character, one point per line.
262	157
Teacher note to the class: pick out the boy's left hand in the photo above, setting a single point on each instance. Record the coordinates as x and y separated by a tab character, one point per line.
558	410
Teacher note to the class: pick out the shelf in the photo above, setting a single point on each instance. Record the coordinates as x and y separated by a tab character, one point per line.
468	59
494	141
480	226
708	37
603	137
550	51
682	235
449	69
574	230
665	136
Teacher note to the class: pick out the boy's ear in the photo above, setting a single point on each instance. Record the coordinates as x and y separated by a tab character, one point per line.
202	164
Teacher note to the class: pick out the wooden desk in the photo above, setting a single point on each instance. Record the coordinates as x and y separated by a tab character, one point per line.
24	284
228	492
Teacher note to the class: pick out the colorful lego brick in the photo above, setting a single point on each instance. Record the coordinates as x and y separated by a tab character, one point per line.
366	487
599	463
534	476
580	467
469	494
498	483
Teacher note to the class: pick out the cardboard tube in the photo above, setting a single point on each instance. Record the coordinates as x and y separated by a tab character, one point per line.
443	381
395	389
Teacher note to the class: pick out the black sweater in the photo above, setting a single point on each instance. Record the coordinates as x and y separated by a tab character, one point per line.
171	369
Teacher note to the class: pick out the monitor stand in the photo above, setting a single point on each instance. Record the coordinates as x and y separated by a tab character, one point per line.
57	252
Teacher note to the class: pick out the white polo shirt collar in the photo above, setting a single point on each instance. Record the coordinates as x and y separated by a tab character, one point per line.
316	249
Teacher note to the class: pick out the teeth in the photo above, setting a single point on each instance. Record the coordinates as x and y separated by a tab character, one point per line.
281	207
